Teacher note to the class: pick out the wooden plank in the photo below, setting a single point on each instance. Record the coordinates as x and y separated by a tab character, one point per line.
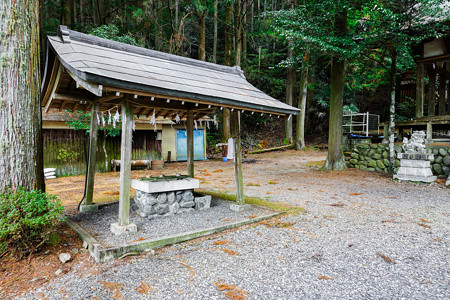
125	169
442	82
190	142
236	134
52	82
420	89
92	153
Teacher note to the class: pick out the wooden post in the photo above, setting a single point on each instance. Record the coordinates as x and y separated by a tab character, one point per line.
442	82
190	143
90	172
429	132
236	134
420	89
125	163
431	97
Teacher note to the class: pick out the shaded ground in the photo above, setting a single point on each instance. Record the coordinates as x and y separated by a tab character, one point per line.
363	236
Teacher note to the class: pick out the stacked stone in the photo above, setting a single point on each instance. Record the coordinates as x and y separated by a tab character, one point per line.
165	204
375	157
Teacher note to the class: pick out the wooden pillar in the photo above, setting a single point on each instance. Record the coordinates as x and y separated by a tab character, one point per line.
125	163
420	89
236	134
190	143
429	132
431	96
90	172
442	104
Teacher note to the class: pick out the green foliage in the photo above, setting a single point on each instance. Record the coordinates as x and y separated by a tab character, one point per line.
112	32
83	121
66	155
27	220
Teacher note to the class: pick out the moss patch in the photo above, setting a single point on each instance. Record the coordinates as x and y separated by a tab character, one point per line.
281	206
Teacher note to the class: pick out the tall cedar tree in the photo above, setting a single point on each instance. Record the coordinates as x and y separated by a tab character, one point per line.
21	160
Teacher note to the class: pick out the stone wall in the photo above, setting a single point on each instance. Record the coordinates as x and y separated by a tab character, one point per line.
375	157
169	203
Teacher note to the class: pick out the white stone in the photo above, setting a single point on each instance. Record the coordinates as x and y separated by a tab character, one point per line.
85	245
171	197
174	207
162	198
64	257
120	230
165	186
187	204
203	202
415	178
59	271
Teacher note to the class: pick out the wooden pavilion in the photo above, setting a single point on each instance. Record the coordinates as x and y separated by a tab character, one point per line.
87	73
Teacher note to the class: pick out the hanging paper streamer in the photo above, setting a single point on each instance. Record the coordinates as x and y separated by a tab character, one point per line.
103	120
109	117
177	119
133	125
116	117
201	123
215	122
207	125
195	124
98	119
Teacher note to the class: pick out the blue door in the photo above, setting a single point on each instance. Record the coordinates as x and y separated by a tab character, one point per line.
199	144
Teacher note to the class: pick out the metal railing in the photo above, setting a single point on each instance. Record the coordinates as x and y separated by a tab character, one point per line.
361	123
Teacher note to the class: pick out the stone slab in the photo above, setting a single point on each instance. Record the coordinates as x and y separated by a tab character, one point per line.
202	202
415	163
415	178
415	156
165	186
119	230
421	172
240	208
92	207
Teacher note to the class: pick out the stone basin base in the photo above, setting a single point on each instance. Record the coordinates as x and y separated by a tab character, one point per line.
166	198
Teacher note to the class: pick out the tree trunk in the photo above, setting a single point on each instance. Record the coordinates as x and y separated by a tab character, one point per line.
289	96
216	2
335	158
238	32
392	110
21	159
226	130
67	13
300	126
202	35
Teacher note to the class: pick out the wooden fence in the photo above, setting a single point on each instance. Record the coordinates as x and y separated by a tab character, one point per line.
65	149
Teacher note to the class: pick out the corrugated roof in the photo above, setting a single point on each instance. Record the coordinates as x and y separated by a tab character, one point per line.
124	66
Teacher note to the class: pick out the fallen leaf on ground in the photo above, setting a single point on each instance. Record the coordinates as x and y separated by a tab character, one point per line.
424	221
325	277
355	194
114	288
424	225
337	204
438	239
231	291
220	242
386	259
144	288
425	282
230	252
138	240
218	170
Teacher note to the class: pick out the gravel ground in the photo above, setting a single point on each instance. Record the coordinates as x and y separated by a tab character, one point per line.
98	223
363	236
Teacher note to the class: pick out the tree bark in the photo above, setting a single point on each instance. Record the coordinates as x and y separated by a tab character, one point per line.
216	2
289	96
300	126
238	32
202	35
392	110
226	130
21	159
335	158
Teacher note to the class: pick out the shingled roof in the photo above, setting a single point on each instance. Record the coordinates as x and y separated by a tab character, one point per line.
116	66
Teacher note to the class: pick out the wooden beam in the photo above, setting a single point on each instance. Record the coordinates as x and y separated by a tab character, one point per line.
90	173
158	113
54	88
236	134
72	98
125	167
141	112
190	143
420	89
63	103
431	96
96	89
55	70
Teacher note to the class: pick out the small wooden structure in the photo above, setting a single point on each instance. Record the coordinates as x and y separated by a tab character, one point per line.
83	72
432	104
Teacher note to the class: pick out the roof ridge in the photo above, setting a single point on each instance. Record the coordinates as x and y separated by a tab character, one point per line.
66	35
